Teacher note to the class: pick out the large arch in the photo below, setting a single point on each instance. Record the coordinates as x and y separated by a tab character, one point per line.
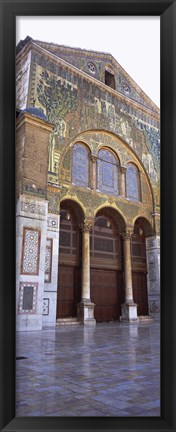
69	271
97	139
106	264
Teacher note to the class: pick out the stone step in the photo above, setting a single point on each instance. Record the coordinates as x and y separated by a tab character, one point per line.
146	318
67	321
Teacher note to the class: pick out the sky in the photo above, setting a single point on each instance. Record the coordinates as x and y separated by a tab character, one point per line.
133	41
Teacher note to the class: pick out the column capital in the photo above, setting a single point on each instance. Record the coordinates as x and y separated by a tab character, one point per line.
123	169
128	234
93	158
86	225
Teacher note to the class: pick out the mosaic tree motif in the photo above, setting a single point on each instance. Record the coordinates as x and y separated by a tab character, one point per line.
132	182
80	165
107	170
58	97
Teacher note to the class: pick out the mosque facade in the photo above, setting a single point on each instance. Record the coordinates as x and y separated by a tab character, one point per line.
87	190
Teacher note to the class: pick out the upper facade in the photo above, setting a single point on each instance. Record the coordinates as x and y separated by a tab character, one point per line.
99	113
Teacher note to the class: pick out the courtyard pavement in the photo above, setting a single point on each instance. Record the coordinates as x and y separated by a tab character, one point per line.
112	369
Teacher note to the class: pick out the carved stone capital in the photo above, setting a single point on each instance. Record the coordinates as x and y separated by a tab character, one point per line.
86	225
128	234
93	158
123	169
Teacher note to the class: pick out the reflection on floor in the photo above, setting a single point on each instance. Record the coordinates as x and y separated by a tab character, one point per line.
111	369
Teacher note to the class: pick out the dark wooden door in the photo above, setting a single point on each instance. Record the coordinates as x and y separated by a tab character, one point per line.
69	291
106	293
140	292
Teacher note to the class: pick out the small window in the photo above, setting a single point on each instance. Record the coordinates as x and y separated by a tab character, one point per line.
109	79
132	183
80	165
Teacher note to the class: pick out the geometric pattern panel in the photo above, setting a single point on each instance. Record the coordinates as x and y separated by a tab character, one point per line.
30	252
154	306
27	297
48	260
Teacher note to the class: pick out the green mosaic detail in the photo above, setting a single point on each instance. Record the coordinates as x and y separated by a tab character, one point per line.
57	96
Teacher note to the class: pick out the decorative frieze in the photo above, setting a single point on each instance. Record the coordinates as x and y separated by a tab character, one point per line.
27	303
30	251
32	207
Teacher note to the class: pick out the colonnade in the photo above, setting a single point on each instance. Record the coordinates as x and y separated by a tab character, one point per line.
86	307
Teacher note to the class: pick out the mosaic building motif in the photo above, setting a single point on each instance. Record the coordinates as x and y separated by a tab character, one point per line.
31	248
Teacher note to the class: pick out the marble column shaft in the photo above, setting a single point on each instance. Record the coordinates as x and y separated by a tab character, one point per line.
86	227
85	265
127	268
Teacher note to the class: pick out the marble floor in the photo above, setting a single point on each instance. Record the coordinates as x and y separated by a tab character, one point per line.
112	369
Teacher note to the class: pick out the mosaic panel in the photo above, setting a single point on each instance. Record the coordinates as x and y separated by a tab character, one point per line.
45	307
27	298
48	260
30	255
29	207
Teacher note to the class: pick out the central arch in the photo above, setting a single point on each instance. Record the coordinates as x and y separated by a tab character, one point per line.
106	265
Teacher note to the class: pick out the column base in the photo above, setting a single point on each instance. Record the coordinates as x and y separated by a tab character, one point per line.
85	312
129	313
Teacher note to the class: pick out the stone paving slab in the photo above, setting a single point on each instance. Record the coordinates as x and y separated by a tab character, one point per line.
112	369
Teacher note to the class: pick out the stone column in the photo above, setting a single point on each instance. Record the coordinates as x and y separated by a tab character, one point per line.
129	308
86	307
123	182
93	172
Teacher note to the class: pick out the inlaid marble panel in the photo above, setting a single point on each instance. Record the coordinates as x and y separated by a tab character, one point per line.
27	298
31	251
48	260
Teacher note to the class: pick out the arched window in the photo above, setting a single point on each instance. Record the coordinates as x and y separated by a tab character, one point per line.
132	182
80	165
107	170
